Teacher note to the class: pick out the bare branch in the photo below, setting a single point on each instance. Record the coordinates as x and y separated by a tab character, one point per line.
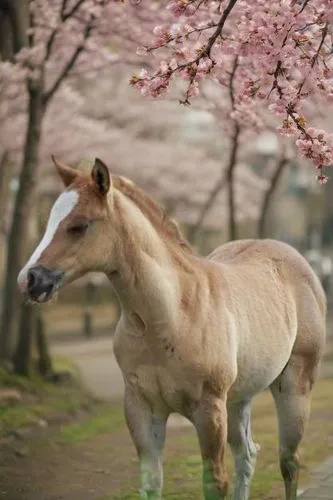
231	82
230	182
274	181
207	206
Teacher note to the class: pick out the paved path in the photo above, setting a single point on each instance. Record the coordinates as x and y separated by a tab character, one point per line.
97	364
322	488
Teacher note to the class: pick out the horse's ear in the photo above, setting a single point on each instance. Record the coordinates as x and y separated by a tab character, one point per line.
67	174
101	176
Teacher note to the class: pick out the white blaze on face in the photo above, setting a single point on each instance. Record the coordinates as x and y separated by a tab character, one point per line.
60	210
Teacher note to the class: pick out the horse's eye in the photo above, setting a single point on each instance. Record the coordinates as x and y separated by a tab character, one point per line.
78	228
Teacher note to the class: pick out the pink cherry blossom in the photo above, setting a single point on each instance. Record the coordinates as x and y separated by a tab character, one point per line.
284	57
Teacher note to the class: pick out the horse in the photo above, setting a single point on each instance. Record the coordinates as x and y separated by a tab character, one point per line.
196	336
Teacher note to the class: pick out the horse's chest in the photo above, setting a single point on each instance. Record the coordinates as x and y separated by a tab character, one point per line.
159	374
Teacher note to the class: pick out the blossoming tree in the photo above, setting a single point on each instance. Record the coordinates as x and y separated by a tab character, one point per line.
282	51
46	42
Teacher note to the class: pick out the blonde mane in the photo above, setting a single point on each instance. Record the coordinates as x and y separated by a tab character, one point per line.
163	224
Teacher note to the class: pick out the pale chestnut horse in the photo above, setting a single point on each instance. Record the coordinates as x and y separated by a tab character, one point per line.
196	336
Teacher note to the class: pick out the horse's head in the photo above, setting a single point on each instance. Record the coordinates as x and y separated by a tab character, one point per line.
77	238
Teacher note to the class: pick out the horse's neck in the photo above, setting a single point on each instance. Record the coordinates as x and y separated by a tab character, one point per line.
147	281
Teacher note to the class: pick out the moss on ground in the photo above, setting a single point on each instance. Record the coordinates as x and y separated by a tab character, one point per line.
41	399
105	418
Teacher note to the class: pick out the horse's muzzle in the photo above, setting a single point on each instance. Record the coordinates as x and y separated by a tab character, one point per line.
42	283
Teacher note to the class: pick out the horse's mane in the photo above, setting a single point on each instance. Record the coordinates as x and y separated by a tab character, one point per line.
152	210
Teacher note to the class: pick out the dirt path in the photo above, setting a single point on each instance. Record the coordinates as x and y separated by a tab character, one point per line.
97	365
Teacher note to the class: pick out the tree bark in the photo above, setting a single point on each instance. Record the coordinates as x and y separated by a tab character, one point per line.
226	180
22	356
232	227
44	363
5	171
18	240
6	33
280	166
194	230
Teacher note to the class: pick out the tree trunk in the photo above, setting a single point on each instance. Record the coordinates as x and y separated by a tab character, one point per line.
194	230
5	176
226	179
18	237
6	34
281	164
232	227
22	357
44	362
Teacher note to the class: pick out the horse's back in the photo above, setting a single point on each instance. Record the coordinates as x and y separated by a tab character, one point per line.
293	267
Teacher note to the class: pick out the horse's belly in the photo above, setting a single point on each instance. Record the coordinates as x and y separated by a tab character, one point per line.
255	379
265	331
259	364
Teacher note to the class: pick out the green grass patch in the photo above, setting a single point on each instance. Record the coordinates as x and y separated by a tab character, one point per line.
41	399
105	420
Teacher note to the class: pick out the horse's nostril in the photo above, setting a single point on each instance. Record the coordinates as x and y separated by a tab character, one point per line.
31	279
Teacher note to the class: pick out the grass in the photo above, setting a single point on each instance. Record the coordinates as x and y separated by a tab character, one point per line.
182	456
104	420
41	399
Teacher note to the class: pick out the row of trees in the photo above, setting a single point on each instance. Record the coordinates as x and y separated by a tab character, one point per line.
240	59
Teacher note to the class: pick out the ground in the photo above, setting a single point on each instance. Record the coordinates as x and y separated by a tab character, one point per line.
94	458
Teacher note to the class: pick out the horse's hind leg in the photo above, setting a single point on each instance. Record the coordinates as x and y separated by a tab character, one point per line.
243	448
291	392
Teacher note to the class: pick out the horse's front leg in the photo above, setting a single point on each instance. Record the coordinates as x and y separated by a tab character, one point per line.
148	434
210	420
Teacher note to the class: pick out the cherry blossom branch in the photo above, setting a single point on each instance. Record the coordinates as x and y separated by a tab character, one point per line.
279	70
73	10
51	39
304	5
298	122
315	57
70	63
219	28
192	66
170	38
